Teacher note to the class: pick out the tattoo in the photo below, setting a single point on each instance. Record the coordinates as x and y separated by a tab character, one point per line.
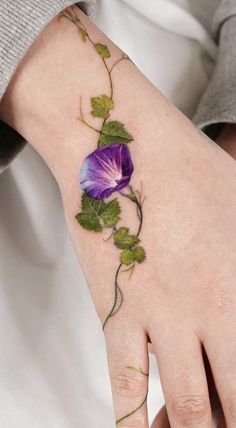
106	170
139	370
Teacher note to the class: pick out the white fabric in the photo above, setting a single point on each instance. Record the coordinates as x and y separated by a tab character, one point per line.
53	371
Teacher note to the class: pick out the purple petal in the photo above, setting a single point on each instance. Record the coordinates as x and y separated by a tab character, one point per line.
106	170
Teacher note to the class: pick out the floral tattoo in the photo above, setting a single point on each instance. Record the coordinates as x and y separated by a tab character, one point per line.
107	170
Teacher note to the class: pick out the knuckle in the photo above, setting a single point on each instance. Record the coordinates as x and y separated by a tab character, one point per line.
191	409
129	386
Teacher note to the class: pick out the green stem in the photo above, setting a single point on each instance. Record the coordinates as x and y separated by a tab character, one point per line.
140	371
81	118
111	88
117	62
133	411
118	293
114	310
134	199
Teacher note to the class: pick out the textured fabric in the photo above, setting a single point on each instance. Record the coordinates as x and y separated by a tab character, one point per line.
218	104
20	23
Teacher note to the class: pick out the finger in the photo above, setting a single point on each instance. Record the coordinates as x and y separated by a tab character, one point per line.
161	420
183	380
128	368
220	347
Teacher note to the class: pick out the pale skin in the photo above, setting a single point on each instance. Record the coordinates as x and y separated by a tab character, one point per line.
183	296
226	140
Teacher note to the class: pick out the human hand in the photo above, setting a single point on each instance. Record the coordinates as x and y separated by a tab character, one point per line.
227	140
182	295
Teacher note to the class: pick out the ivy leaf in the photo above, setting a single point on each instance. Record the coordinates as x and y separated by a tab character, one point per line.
92	205
82	34
101	106
102	50
123	240
89	221
114	131
139	254
96	214
127	257
110	215
92	209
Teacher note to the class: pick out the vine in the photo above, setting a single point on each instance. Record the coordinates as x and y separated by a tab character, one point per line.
140	371
108	169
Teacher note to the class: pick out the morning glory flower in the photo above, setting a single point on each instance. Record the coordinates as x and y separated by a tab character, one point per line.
106	170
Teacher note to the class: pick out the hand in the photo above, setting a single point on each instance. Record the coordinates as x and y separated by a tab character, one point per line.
182	296
227	140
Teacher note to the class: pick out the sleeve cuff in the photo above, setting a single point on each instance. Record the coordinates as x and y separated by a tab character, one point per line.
218	104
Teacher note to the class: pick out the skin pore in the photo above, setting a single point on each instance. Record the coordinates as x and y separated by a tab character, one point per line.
182	295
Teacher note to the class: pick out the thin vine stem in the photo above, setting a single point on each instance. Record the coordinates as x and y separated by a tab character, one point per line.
140	371
80	25
82	119
138	205
117	290
117	62
133	411
117	287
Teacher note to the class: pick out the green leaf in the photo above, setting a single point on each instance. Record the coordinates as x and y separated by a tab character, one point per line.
89	221
123	240
96	214
127	257
139	254
92	205
110	215
82	34
101	106
102	50
92	209
114	131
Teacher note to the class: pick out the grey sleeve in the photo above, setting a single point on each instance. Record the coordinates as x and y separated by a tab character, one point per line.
21	21
218	103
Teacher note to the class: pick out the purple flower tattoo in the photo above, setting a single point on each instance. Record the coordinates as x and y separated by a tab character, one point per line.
106	170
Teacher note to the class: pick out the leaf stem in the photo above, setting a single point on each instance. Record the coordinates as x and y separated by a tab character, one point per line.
140	371
81	119
132	197
117	62
111	88
118	293
133	411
